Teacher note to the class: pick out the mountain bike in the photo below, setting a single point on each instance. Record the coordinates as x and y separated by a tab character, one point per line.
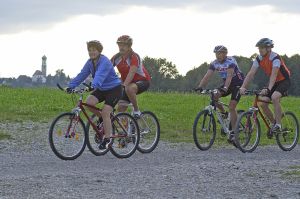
149	131
248	130
68	135
204	128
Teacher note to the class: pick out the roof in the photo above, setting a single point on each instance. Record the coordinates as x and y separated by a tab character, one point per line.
37	72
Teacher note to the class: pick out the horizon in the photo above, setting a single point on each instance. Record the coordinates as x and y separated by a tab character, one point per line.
184	33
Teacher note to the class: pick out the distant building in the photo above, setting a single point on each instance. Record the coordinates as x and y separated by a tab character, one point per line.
40	76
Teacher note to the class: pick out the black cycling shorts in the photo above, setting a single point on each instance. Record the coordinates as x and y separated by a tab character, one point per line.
142	87
111	97
281	87
234	91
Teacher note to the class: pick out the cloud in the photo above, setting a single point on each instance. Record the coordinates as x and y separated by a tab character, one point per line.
18	15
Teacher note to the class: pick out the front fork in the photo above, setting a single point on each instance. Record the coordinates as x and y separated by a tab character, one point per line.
73	123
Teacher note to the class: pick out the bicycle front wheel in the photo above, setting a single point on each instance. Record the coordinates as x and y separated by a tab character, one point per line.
287	139
149	132
247	132
204	130
67	136
94	138
125	136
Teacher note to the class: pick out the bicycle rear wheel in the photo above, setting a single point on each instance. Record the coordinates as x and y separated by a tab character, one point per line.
94	139
149	132
67	136
287	139
247	132
125	135
204	130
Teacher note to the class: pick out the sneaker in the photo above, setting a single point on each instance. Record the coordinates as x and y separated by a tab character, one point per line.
137	114
231	138
276	128
104	143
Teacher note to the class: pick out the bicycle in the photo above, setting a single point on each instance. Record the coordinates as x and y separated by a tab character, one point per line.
249	123
68	135
204	128
149	131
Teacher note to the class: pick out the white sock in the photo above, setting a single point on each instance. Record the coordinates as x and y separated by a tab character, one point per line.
137	112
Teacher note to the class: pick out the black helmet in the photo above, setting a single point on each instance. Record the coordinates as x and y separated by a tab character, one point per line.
220	48
265	42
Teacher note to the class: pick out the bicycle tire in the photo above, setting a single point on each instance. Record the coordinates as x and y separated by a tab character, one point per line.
246	129
145	129
288	128
92	140
57	131
205	114
119	143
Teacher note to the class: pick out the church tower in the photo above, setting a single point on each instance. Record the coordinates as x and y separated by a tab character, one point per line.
44	66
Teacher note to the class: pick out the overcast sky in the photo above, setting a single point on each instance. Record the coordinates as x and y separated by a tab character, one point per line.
184	32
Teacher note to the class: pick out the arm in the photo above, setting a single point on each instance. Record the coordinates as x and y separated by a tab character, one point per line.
273	77
104	67
84	73
130	75
205	79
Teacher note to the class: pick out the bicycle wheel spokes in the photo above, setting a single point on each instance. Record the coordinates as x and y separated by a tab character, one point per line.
287	139
204	130
125	136
67	136
149	132
94	138
247	134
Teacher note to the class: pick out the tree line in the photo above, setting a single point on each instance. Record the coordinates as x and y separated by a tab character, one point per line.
165	76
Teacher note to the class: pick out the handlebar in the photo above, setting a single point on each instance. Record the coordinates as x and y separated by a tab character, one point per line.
251	92
78	91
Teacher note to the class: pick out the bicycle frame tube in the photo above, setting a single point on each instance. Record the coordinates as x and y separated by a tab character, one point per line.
255	105
213	107
82	106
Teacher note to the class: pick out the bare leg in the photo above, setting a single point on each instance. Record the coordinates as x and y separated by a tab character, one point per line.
233	113
266	109
219	106
106	110
277	108
92	100
131	91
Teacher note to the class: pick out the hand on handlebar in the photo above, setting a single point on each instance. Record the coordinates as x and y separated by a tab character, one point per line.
264	91
68	90
242	91
223	90
198	89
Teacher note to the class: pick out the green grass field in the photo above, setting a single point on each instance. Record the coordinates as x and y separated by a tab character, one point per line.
176	111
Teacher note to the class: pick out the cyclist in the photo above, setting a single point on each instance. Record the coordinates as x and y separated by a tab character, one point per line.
279	82
232	79
134	75
106	86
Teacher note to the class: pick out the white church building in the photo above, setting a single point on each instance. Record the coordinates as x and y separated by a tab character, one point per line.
40	76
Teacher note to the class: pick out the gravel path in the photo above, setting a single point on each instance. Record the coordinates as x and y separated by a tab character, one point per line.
29	169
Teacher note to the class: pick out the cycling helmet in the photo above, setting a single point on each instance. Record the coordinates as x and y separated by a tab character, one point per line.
265	42
125	39
96	44
220	48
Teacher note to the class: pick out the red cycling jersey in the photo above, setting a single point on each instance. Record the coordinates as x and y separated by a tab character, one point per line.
124	63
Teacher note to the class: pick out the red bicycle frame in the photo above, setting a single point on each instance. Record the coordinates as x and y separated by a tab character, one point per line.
255	105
